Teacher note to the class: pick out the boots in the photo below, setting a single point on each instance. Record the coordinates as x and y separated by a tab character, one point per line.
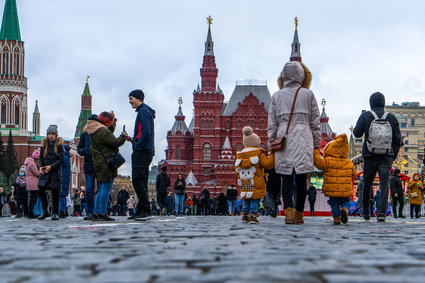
299	217
344	215
289	215
43	215
337	220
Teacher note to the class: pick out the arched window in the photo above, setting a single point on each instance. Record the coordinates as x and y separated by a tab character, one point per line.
16	62
211	126
5	61
178	154
239	123
228	124
263	124
207	151
3	112
17	108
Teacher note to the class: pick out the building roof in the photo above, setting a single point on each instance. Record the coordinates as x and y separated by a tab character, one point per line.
84	114
209	44
179	124
241	91
296	46
191	179
36	111
10	25
324	125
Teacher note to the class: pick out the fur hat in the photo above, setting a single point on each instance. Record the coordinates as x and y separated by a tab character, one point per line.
52	129
249	138
35	154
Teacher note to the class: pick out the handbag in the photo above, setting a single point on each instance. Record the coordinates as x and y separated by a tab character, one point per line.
42	181
279	143
414	195
115	161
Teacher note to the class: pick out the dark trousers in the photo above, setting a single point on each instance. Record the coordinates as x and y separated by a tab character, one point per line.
160	199
382	166
400	200
140	161
55	200
21	207
33	195
311	207
416	208
288	193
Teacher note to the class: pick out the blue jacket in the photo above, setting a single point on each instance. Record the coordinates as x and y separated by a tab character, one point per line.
84	150
144	128
66	171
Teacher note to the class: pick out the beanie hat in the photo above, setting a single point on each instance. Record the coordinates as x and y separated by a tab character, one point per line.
249	138
22	171
396	171
93	117
137	93
377	100
106	118
35	154
52	129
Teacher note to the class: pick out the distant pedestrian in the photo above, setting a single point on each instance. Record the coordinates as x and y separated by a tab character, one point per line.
179	192
31	178
302	131
131	205
195	205
222	204
397	193
143	152
311	192
2	200
20	194
83	201
169	203
339	174
189	205
50	164
359	195
122	199
415	191
232	196
66	181
153	206
214	205
205	201
376	201
77	202
382	141
162	186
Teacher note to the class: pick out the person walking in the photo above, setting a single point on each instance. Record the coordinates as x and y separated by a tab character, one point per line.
222	204
31	178
162	186
20	194
103	146
66	180
311	192
131	202
294	114
169	203
83	200
232	196
415	191
143	152
205	201
179	192
195	205
397	193
50	164
189	204
122	199
83	149
382	141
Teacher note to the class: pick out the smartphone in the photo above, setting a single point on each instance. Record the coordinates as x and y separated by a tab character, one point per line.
123	128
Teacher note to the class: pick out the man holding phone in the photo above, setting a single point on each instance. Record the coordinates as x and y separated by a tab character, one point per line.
143	152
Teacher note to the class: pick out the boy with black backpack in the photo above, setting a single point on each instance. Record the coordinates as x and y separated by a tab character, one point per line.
382	142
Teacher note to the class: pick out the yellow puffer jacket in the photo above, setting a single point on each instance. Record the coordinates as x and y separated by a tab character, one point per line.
249	167
338	171
415	187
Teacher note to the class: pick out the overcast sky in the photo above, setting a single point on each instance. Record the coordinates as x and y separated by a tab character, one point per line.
353	49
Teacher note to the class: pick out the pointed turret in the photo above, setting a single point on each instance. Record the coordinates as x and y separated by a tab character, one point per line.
86	110
209	44
179	123
209	71
296	51
226	150
36	120
10	24
325	128
191	179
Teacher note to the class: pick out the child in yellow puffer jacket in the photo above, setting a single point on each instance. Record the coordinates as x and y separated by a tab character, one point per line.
339	174
249	166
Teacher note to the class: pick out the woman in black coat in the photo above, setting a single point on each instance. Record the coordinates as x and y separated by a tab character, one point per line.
50	164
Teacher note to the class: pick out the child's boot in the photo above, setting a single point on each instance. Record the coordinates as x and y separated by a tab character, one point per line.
289	215
344	215
245	218
299	217
337	220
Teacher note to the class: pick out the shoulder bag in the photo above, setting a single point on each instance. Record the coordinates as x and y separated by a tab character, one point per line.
279	143
115	161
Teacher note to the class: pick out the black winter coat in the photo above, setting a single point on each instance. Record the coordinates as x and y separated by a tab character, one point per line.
123	196
179	187
363	125
83	149
232	194
53	157
162	182
311	192
396	186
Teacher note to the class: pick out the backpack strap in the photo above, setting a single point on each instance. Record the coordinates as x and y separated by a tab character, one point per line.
374	114
385	115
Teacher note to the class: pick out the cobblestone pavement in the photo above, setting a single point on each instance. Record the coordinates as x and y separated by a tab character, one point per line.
211	249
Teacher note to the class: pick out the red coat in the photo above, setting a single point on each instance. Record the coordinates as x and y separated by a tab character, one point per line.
31	174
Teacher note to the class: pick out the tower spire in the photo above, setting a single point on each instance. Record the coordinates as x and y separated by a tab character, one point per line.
86	110
36	120
209	44
209	70
296	52
10	24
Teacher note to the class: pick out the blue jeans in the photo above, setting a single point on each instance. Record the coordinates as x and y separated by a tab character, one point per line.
90	179
338	203
250	206
83	207
232	206
62	204
179	207
100	206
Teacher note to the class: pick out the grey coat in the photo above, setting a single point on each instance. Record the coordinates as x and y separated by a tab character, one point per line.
304	132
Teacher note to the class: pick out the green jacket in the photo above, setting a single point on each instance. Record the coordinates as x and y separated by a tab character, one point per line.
103	145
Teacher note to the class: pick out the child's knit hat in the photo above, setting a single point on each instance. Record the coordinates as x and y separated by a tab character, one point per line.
249	138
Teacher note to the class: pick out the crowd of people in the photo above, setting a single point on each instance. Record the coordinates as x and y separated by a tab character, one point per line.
265	179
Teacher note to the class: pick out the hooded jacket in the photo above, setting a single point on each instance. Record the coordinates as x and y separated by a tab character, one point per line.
417	188
31	174
143	138
395	185
162	182
304	131
338	171
377	104
83	149
103	145
51	154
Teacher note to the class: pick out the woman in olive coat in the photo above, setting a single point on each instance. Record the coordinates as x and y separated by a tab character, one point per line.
103	145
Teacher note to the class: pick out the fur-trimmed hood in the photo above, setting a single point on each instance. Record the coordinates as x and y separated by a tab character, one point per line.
93	126
305	82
